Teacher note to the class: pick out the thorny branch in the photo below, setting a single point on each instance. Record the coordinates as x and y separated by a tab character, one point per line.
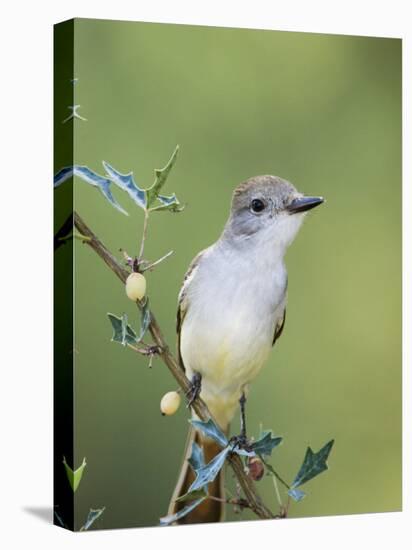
254	502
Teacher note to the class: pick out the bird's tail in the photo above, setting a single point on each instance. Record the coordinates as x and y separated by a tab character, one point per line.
210	510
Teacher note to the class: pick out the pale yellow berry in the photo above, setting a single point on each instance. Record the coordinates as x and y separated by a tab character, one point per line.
170	403
135	286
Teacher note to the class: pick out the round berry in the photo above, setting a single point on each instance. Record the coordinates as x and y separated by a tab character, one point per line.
256	468
170	403
135	286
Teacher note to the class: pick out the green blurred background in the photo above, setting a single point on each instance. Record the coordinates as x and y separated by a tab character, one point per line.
321	111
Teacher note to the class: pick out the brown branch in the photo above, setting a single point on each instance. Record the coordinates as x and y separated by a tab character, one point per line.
235	502
199	406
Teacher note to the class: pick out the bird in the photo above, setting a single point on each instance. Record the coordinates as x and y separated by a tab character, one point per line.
231	311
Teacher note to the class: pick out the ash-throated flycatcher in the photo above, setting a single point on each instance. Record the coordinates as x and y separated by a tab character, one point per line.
232	310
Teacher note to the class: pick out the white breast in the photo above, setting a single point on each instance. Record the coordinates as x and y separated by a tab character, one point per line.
234	304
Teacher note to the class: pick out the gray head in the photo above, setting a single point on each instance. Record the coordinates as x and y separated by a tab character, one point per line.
269	208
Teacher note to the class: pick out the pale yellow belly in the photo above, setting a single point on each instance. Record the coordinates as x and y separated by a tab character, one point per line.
228	353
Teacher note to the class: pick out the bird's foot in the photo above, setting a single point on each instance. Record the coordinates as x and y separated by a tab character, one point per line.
194	390
240	442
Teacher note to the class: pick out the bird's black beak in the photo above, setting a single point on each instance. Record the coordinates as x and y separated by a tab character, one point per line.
302	204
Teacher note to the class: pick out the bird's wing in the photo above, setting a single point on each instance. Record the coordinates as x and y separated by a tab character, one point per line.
183	301
279	327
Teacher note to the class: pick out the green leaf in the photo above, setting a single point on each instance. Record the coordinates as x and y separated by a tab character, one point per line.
210	429
196	459
144	198
206	474
75	235
91	518
193	495
122	332
167	520
74	477
296	494
170	204
265	445
313	465
161	177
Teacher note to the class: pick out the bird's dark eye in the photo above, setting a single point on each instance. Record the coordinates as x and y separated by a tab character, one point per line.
257	205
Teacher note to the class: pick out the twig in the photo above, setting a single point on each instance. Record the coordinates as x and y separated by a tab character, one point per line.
241	502
275	485
253	499
274	472
286	508
157	262
144	233
146	350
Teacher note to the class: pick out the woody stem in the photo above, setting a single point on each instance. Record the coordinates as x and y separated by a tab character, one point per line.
242	402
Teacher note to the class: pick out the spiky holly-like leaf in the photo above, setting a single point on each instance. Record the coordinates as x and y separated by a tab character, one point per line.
196	459
122	332
266	443
168	204
167	520
144	198
92	178
313	465
207	473
74	476
126	183
62	175
296	494
92	516
160	179
210	429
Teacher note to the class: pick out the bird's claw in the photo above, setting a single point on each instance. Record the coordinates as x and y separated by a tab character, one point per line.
241	442
194	390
